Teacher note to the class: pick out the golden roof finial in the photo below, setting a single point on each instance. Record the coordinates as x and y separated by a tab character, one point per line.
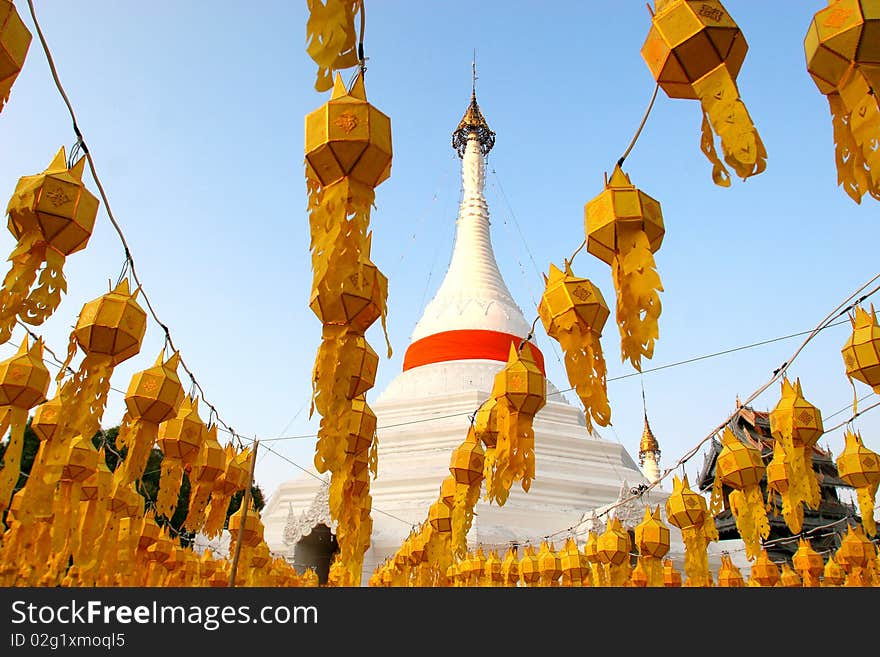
649	442
473	121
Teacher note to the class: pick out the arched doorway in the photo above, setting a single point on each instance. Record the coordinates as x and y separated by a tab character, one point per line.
316	550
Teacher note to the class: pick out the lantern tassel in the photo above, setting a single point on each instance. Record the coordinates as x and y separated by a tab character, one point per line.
170	481
750	513
853	173
586	370
331	37
26	259
139	436
16	418
198	506
742	146
696	560
866	496
466	497
45	298
216	514
637	285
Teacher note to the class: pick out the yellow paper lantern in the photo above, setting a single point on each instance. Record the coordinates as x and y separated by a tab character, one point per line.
440	517
689	512
741	467
51	215
486	423
671	577
348	138
363	376
573	313
179	438
652	540
492	573
613	549
154	395
855	550
695	50
808	563
362	426
447	491
209	466
764	572
729	576
529	568
250	528
15	40
466	467
510	567
233	479
860	468
788	577
520	392
549	565
861	352
624	228
842	59
833	574
24	382
797	425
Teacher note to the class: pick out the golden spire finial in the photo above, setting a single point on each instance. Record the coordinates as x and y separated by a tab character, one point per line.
649	442
473	121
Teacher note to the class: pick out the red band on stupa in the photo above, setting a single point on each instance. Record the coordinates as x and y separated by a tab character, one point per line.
465	344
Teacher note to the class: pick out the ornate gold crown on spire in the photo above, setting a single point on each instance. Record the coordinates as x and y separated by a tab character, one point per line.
473	121
648	442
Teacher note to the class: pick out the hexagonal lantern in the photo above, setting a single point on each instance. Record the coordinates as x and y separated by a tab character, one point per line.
357	302
549	565
348	137
82	460
364	375
210	463
440	517
844	32
684	507
671	577
652	536
112	325
729	576
861	352
486	423
492	569
860	468
833	574
15	40
796	416
620	205
738	465
510	567
447	491
521	382
614	544
251	530
98	484
181	437
46	421
466	463
361	426
764	572
778	470
155	394
808	563
24	379
689	39
569	300
57	204
529	569
573	564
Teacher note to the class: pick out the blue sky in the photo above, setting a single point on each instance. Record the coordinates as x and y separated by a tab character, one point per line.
194	112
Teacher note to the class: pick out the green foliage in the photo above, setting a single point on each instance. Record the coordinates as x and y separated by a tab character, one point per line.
147	485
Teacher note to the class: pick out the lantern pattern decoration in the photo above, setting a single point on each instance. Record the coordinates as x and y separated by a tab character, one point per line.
741	467
788	576
15	40
209	467
549	565
652	540
688	511
154	396
729	576
671	577
695	51
613	549
624	228
573	312
109	330
842	59
179	439
24	382
520	392
492	570
861	352
466	466
764	572
808	563
51	215
859	467
529	568
331	37
797	424
232	480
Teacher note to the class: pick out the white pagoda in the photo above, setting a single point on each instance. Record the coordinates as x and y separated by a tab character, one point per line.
461	341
